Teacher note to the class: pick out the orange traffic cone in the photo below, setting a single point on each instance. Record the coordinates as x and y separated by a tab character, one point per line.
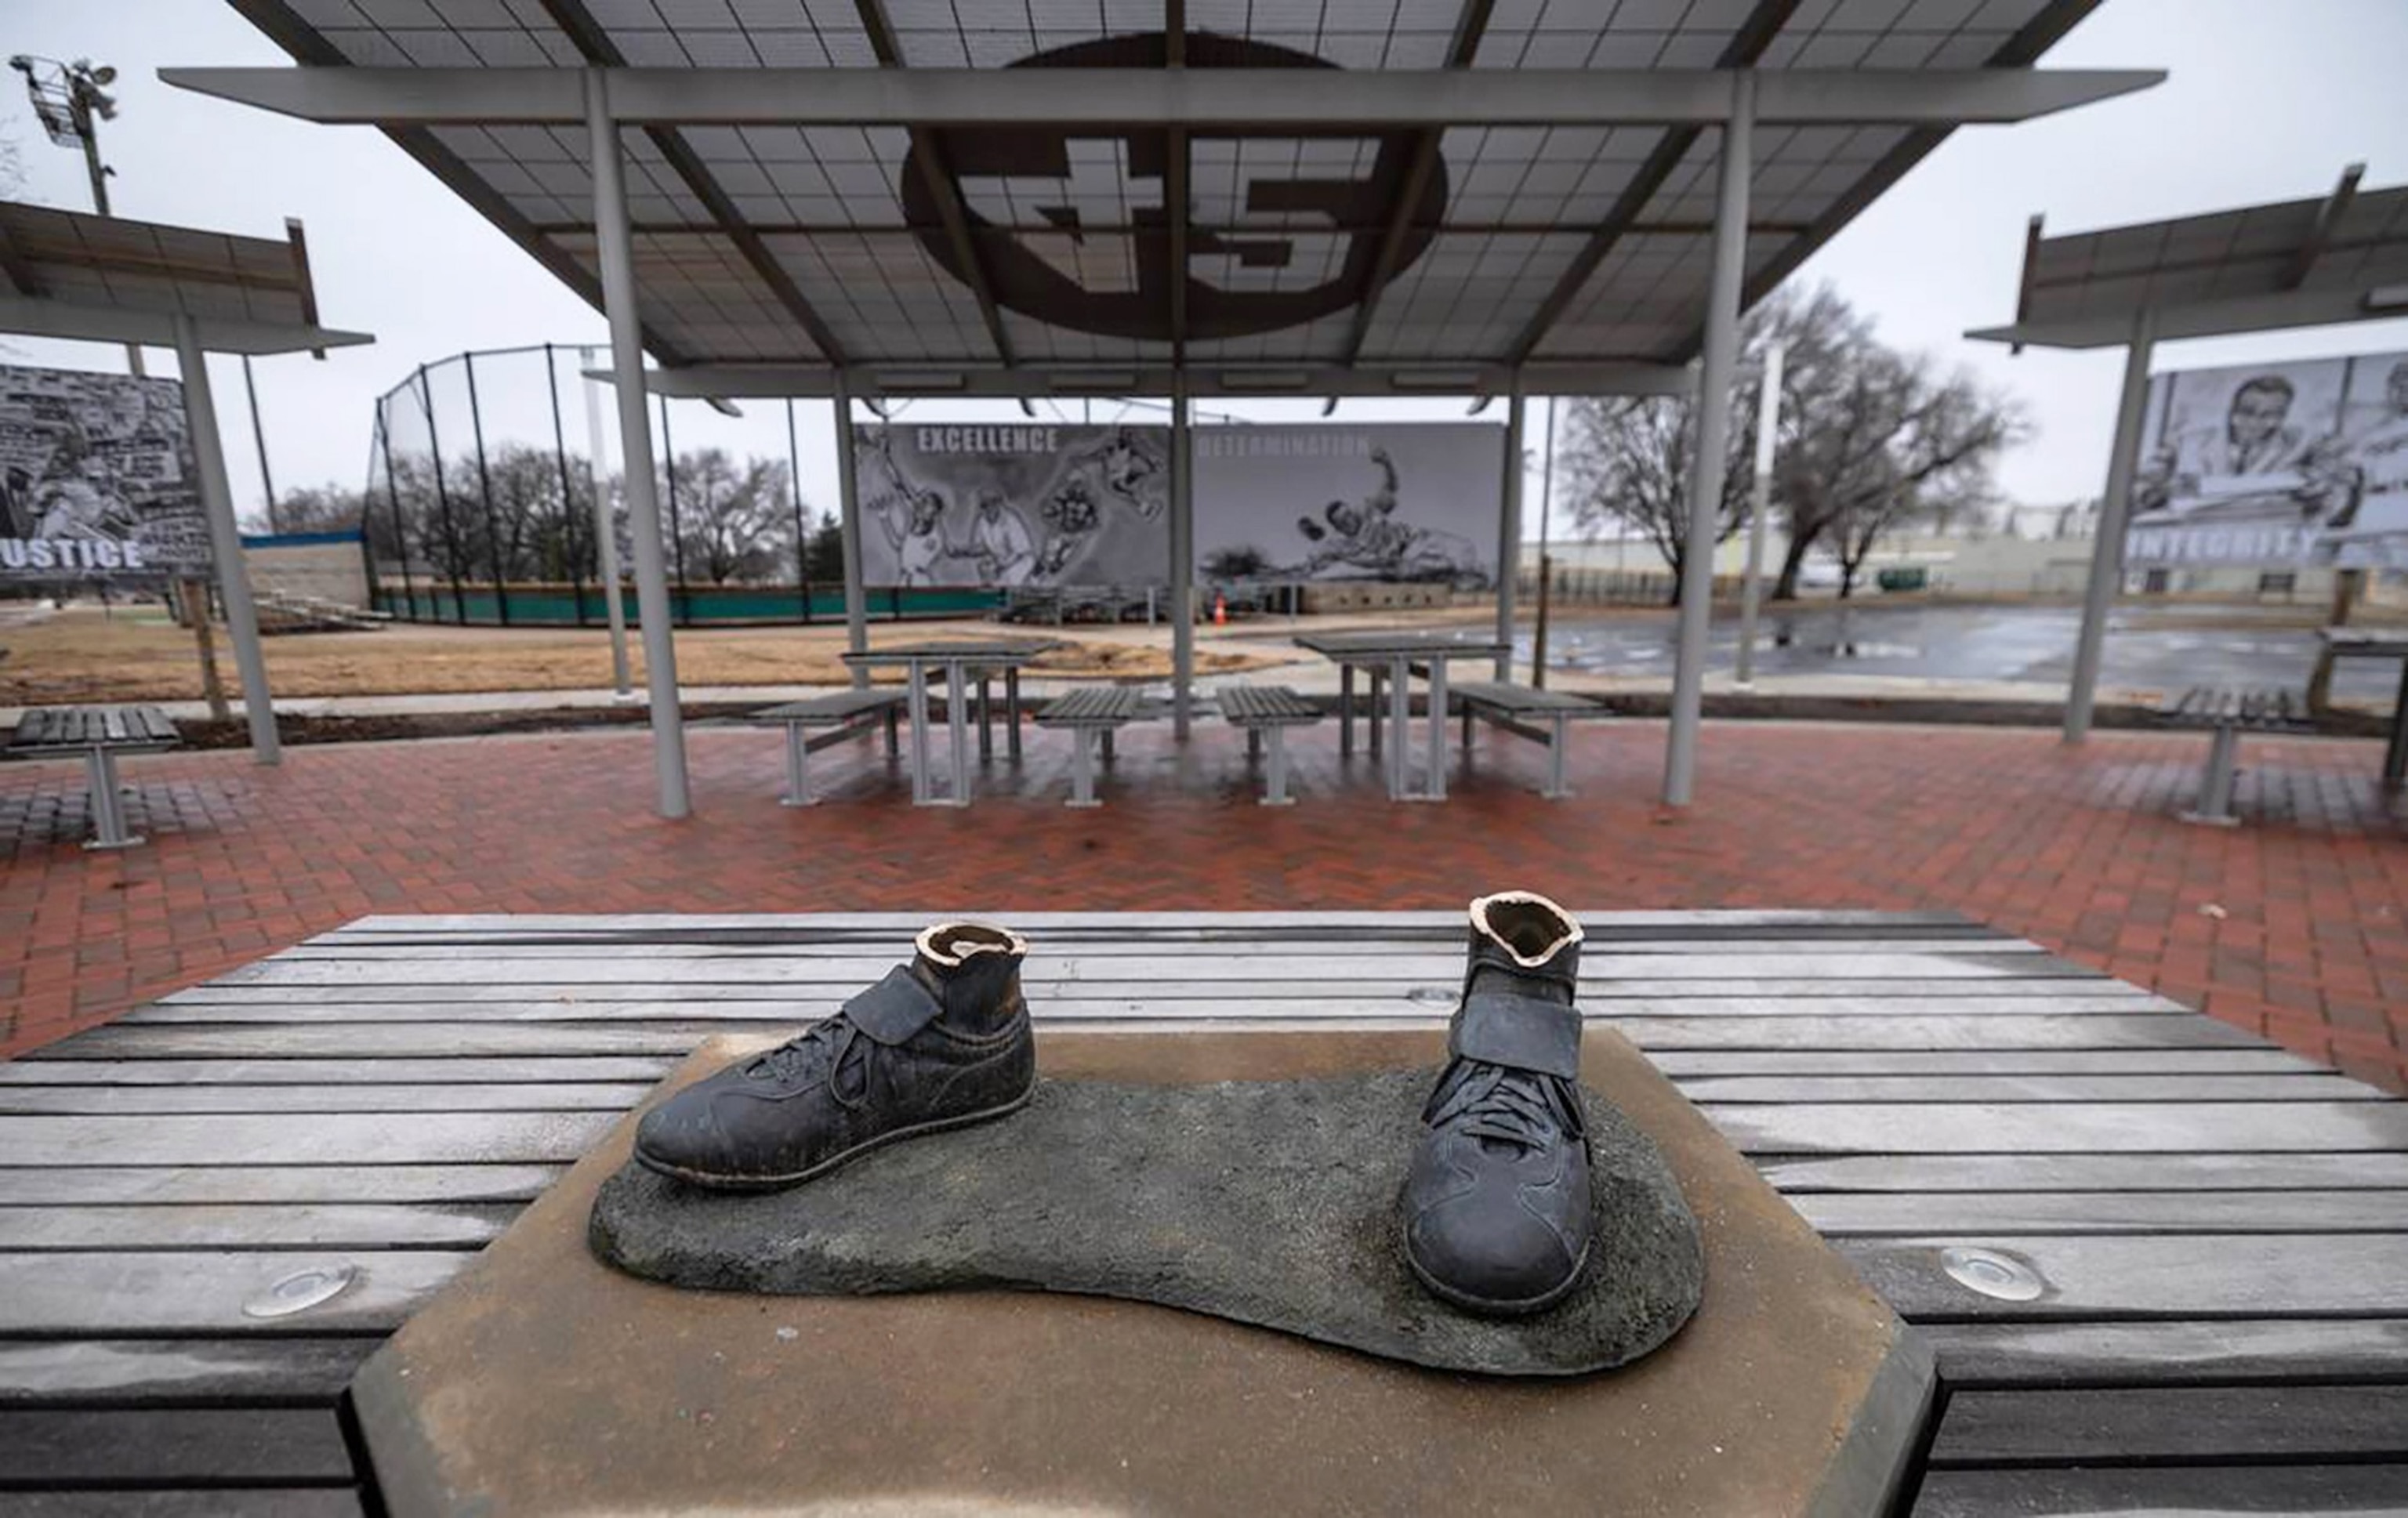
1220	609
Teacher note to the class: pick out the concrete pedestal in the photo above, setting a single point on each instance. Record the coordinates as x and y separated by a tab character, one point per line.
543	1381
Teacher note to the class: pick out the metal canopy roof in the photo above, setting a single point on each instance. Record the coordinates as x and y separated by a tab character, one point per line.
1458	252
2297	262
70	274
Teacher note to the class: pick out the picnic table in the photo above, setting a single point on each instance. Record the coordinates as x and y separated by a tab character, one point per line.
97	734
2163	1264
1394	655
954	660
2353	643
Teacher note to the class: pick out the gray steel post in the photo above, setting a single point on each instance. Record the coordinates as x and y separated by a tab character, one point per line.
225	541
606	531
1275	778
1768	420
1546	522
1707	471
258	441
635	445
2114	510
856	604
1509	533
799	769
1183	560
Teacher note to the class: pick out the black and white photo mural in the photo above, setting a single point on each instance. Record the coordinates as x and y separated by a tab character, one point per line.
97	478
1005	504
1001	504
2286	463
1394	502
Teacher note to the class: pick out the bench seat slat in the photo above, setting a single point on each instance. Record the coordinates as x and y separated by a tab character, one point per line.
835	707
1502	696
2260	709
1095	706
1266	706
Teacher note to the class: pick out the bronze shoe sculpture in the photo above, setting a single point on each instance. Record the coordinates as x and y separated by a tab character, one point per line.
1495	1206
941	1042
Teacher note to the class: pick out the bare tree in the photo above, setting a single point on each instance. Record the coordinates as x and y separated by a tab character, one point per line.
734	523
1898	442
1626	460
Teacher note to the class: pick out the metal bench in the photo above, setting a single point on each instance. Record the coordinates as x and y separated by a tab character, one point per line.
2224	710
851	712
1273	709
99	733
1521	710
1087	711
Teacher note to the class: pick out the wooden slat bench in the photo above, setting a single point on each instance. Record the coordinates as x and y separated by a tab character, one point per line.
1525	712
2221	1228
1272	709
99	734
848	713
2224	712
1091	712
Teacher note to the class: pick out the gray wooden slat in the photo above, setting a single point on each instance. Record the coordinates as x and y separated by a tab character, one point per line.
1127	923
203	1502
19	1101
568	1071
2132	1424
1799	1063
282	1225
1841	1214
2089	1172
848	973
2075	1353
117	1295
2026	1088
1118	999
1957	999
164	1185
1293	955
138	1446
407	1039
2175	1276
2282	1491
2073	1127
134	1371
312	1138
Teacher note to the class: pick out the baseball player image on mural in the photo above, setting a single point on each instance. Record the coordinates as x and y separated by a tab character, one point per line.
1003	506
95	478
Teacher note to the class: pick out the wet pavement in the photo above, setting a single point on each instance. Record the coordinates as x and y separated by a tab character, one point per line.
2158	648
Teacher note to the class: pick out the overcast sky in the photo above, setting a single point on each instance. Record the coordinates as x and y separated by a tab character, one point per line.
2267	100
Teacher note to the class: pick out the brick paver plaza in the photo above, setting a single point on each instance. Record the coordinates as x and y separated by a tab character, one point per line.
2290	925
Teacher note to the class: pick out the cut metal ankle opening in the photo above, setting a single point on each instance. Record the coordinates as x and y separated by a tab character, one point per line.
952	943
1525	924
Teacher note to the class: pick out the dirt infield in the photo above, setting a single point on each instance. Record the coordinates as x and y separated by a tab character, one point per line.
79	654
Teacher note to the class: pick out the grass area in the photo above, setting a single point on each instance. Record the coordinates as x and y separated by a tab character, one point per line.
79	654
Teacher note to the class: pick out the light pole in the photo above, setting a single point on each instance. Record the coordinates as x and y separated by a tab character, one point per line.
71	100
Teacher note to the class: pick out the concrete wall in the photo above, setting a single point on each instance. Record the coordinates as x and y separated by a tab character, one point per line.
328	565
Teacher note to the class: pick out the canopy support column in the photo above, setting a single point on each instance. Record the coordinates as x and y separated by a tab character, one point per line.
2115	510
848	487
225	541
617	248
1768	424
605	534
1509	533
1708	469
1183	560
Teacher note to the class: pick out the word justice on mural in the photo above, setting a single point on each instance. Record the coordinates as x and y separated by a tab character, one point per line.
97	478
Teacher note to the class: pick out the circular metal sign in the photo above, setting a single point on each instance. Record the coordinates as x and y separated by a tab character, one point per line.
1285	225
301	1290
1992	1273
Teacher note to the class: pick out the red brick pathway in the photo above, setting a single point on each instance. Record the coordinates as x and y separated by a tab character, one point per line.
2290	925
